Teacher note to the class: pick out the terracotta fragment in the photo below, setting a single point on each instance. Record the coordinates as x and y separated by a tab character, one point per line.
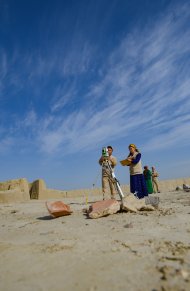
58	208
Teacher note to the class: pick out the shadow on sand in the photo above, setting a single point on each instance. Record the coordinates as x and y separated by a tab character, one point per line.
47	217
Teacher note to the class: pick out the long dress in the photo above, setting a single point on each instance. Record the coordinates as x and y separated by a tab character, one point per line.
137	181
148	178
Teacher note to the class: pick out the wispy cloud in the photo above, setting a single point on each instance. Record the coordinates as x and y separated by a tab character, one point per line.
178	135
144	84
142	87
63	95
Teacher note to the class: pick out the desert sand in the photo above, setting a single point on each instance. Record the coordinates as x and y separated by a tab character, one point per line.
148	250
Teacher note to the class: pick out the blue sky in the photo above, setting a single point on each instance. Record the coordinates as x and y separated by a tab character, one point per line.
79	75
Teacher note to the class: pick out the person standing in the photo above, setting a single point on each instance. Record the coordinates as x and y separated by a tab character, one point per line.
148	178
107	181
155	176
137	181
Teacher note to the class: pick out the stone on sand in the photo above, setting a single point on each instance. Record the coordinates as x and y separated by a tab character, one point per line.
186	187
132	204
103	208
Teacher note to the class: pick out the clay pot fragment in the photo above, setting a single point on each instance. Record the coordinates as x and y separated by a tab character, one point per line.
58	208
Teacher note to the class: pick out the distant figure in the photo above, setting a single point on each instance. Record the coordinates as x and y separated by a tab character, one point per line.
106	179
155	176
148	178
137	181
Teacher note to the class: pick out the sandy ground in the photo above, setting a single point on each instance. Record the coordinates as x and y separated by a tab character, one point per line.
124	251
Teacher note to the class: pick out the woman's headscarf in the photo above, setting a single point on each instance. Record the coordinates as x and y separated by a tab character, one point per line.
134	146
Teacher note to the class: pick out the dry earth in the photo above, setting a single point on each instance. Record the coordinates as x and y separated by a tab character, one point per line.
124	251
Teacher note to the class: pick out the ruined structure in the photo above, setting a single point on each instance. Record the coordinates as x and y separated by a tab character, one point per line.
14	190
21	190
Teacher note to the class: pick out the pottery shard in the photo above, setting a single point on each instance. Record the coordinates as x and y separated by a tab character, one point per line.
58	208
132	204
103	208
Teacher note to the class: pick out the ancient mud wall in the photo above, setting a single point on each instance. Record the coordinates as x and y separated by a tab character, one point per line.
14	190
22	190
165	185
39	191
170	185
